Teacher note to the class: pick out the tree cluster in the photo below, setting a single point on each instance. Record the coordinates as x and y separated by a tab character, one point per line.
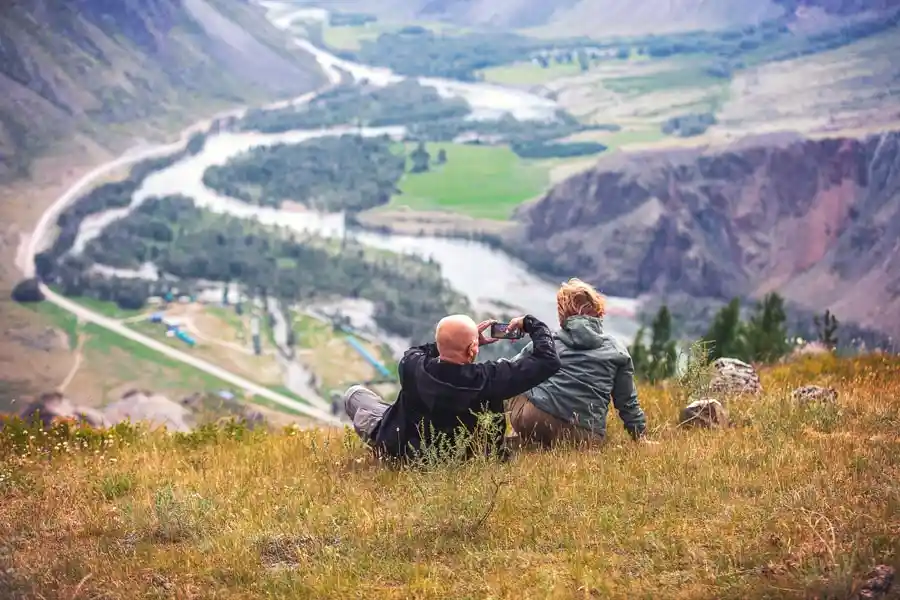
689	125
659	360
349	172
428	116
28	290
761	338
542	149
416	51
401	103
350	19
183	241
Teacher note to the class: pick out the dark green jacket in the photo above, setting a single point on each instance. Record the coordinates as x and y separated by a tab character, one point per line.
595	367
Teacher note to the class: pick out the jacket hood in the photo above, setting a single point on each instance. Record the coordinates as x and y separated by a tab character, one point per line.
582	332
432	385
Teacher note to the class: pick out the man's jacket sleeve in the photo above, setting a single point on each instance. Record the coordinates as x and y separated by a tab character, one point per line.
505	379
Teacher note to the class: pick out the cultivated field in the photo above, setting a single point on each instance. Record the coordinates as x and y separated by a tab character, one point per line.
479	181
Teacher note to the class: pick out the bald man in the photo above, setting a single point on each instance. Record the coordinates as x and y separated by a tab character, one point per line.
443	388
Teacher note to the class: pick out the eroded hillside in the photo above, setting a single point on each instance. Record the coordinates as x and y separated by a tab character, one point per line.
817	220
86	68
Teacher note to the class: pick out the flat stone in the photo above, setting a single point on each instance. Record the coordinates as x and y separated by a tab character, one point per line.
706	412
814	394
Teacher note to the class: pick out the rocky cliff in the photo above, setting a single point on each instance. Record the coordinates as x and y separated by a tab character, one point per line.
816	220
80	67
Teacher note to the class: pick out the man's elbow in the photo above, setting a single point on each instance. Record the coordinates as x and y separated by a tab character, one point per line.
551	366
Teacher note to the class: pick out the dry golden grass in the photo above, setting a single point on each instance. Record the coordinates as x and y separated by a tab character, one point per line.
796	502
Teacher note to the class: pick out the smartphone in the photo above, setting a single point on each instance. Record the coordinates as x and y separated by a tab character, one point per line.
499	331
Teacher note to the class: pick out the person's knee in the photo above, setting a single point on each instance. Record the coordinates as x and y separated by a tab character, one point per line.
349	406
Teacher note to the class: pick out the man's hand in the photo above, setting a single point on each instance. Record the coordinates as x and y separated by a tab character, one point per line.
517	324
484	340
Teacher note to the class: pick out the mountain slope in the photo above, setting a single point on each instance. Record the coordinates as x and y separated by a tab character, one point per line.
88	67
817	220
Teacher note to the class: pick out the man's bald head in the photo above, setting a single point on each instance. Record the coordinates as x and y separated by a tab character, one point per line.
457	339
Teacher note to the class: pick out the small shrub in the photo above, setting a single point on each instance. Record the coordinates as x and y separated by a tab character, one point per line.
28	290
115	485
479	445
212	433
697	373
178	517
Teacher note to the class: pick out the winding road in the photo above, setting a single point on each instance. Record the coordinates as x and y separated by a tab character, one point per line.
115	326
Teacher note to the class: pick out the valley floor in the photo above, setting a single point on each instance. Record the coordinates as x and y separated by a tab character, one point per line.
793	502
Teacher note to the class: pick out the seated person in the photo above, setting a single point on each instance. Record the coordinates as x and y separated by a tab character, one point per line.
573	404
443	388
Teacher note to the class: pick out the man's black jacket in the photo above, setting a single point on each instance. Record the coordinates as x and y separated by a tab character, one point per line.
436	397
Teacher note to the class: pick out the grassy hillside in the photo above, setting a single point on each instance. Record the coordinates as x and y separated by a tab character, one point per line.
794	502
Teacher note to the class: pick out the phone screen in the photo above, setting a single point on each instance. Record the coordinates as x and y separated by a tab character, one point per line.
499	331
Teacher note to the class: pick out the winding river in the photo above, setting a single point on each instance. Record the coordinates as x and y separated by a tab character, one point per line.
485	275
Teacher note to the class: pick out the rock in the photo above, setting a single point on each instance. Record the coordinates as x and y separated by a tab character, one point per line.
814	393
734	377
47	339
152	409
810	349
53	406
193	402
707	412
878	583
253	418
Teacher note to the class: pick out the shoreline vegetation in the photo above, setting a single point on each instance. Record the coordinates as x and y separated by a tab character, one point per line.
416	50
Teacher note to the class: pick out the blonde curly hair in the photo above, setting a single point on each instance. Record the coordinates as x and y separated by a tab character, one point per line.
576	297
